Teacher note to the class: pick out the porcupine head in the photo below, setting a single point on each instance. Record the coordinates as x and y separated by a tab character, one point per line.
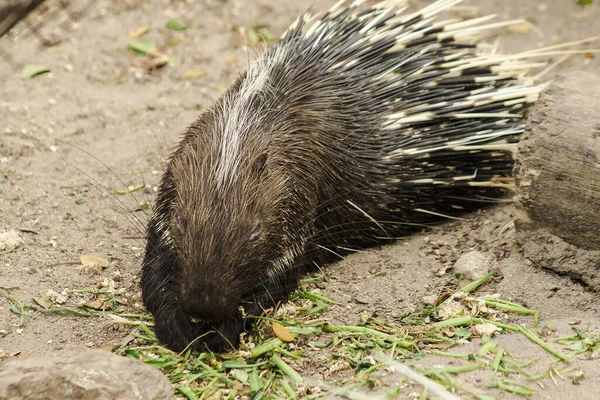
227	221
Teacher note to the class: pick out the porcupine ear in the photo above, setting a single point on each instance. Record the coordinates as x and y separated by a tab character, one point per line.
256	228
180	224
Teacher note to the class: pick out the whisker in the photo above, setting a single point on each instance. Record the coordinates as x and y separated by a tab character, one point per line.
105	166
114	199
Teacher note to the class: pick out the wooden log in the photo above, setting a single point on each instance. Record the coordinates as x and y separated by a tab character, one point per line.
557	176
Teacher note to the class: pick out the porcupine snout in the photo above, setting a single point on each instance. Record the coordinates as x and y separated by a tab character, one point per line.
208	301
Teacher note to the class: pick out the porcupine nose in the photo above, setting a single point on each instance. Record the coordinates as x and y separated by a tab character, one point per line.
210	302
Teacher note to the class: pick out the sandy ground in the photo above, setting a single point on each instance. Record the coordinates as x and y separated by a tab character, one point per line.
98	122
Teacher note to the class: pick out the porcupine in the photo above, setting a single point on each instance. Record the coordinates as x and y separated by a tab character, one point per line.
358	126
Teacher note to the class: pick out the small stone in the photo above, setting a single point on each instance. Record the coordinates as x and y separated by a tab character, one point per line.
473	265
374	269
10	240
429	300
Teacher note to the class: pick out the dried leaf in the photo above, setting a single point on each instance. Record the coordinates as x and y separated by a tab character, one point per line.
282	332
194	73
449	331
139	31
441	298
97	304
43	302
91	261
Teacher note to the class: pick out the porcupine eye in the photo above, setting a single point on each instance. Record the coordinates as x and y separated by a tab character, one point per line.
256	229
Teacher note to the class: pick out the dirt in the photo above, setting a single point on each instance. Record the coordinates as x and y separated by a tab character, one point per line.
97	123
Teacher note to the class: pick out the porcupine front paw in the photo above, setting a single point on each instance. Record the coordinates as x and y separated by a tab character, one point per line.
176	329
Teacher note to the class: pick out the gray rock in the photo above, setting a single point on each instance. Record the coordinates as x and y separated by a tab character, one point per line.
473	265
81	373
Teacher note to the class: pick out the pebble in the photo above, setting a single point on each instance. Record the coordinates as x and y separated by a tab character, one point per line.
473	265
10	240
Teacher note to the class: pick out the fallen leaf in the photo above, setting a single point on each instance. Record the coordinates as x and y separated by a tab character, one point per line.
441	298
97	304
91	260
449	331
194	73
142	47
44	302
175	25
23	356
139	32
282	332
33	70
